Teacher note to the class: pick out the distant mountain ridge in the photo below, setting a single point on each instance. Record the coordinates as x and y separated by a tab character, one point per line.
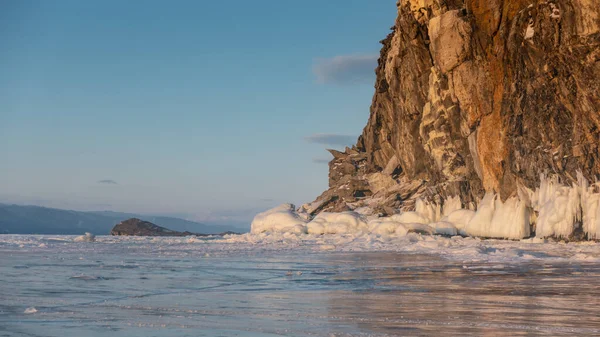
17	219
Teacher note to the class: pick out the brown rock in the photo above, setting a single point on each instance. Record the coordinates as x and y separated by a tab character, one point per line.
137	227
474	96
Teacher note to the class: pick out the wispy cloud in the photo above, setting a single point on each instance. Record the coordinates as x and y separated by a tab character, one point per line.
321	161
331	139
346	69
107	182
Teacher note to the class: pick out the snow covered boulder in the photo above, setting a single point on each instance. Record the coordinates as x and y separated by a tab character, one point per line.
409	217
425	213
337	223
386	227
459	218
419	228
444	228
88	237
281	219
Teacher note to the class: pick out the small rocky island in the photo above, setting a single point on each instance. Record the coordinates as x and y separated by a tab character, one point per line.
137	227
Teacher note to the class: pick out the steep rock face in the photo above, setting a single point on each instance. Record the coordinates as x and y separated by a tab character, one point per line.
474	96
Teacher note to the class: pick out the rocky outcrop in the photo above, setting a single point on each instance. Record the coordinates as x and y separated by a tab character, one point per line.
137	227
474	96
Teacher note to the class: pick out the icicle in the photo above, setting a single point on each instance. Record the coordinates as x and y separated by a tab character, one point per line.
510	220
451	204
558	208
429	211
590	208
480	223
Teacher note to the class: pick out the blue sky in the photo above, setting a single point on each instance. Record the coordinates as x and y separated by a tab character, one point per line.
202	109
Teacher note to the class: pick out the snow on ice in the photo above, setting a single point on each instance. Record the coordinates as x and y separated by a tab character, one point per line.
552	210
88	237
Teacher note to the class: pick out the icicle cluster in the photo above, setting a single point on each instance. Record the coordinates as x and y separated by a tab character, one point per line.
554	209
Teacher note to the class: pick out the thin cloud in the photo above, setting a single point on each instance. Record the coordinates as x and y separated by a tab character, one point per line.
107	182
346	69
331	139
321	161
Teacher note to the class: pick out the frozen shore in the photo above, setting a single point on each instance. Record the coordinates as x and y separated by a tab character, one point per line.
553	210
454	248
284	284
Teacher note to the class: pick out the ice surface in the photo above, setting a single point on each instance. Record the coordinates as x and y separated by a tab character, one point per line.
284	284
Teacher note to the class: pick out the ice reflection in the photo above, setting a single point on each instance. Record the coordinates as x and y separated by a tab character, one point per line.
150	288
419	294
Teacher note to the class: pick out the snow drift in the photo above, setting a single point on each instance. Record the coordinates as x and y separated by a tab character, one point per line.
282	219
337	223
88	237
552	210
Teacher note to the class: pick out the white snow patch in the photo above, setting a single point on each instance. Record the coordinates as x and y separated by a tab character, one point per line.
30	310
88	237
283	218
387	227
409	217
445	228
554	208
460	218
419	228
337	223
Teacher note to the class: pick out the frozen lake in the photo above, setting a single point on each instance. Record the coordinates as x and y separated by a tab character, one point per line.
285	285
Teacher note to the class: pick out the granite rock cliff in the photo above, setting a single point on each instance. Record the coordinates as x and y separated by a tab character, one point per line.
474	96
